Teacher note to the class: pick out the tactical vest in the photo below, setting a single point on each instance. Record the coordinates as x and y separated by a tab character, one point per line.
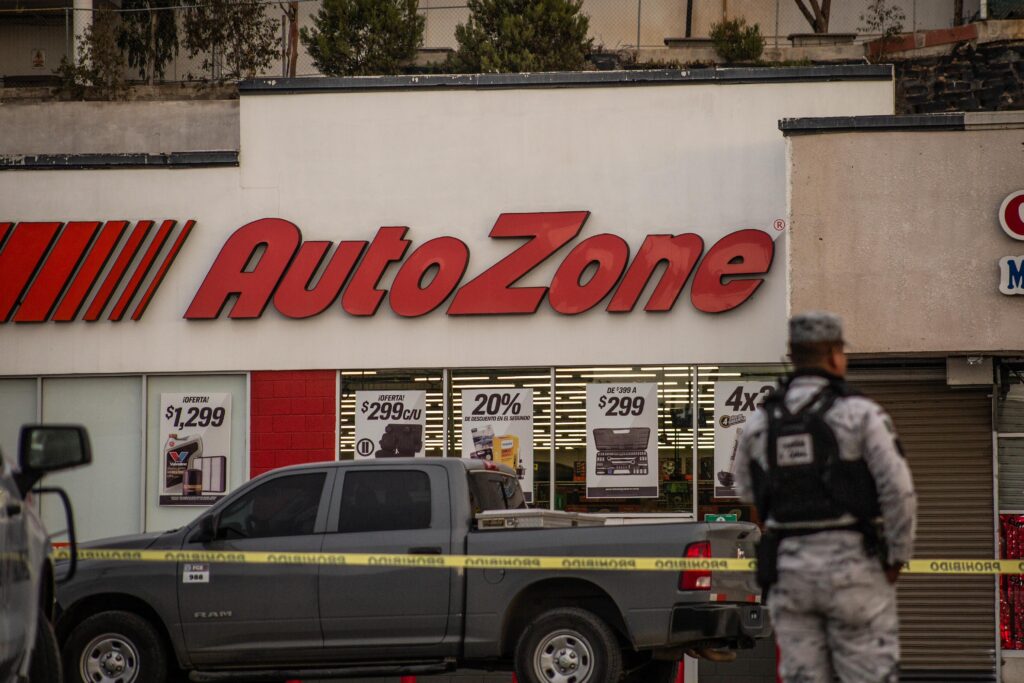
806	480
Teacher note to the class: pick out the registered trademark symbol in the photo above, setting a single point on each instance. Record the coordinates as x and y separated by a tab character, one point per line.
780	225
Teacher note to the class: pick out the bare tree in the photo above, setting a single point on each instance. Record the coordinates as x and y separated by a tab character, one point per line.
816	14
291	13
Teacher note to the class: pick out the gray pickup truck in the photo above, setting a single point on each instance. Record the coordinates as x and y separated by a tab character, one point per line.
125	622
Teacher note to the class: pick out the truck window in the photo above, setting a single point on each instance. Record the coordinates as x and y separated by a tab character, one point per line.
495	491
387	500
285	506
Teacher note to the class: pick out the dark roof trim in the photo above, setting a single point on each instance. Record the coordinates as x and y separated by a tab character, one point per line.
568	79
74	162
839	124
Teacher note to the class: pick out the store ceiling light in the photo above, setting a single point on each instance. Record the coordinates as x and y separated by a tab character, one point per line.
621	374
524	376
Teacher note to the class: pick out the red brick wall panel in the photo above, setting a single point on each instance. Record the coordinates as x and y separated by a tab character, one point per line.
292	418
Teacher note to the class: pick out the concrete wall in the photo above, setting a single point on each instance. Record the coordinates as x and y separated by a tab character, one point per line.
116	127
898	232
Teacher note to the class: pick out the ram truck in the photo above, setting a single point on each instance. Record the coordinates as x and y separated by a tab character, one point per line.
123	621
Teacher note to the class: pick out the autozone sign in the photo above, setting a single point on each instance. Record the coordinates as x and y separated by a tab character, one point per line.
266	263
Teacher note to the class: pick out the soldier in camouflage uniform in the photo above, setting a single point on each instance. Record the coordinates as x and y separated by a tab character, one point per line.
833	602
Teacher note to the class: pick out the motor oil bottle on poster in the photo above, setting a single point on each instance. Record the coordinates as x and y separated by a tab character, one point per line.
735	403
195	438
497	425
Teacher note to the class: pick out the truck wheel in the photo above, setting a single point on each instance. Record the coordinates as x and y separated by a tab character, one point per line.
115	647
654	671
568	645
45	666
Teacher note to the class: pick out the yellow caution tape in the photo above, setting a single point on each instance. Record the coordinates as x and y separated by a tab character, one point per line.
672	564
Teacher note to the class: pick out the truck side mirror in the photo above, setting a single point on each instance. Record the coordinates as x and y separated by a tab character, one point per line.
49	448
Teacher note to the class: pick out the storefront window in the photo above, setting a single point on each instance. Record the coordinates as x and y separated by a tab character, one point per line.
105	496
195	424
623	435
505	416
727	396
1010	452
18	398
594	405
408	406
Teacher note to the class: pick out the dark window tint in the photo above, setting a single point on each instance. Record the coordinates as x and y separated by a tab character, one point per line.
385	501
495	491
285	506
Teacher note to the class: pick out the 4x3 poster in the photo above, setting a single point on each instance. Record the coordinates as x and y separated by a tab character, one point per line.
390	424
622	440
195	445
735	402
497	425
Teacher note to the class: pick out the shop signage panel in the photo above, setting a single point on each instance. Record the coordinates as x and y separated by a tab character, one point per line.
735	403
390	424
1011	268
497	425
516	222
622	440
195	431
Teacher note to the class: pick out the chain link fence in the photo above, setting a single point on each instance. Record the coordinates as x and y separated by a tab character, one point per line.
34	38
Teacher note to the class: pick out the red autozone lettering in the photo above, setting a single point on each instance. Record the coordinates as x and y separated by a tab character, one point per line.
266	261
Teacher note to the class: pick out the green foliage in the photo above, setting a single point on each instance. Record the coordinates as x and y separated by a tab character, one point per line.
734	41
149	36
885	20
236	37
99	70
364	37
522	35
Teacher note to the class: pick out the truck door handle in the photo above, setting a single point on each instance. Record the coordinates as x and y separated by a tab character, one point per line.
425	550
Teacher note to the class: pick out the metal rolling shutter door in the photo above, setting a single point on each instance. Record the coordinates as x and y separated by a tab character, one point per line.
946	622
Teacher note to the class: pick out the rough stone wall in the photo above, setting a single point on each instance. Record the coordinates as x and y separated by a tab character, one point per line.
985	77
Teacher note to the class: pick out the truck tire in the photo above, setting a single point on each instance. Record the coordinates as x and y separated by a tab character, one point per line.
654	671
45	666
115	647
568	645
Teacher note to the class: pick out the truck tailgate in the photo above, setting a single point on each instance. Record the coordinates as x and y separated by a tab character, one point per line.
739	541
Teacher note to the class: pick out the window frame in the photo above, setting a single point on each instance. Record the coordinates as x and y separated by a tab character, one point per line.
319	523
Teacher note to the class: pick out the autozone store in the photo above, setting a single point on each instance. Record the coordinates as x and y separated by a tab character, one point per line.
437	255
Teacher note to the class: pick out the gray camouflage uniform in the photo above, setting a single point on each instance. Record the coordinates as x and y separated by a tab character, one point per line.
832	609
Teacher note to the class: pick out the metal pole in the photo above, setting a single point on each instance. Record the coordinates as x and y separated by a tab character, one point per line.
445	378
777	23
639	5
551	463
695	461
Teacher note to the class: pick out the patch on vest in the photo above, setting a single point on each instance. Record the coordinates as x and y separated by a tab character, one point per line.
796	449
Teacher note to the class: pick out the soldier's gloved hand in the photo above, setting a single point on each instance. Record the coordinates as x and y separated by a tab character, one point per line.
892	572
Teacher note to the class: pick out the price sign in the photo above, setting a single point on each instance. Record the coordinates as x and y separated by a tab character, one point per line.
622	440
497	425
195	439
735	402
390	424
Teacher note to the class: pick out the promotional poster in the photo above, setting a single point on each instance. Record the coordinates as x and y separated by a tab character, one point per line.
497	425
390	424
195	438
622	440
735	402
